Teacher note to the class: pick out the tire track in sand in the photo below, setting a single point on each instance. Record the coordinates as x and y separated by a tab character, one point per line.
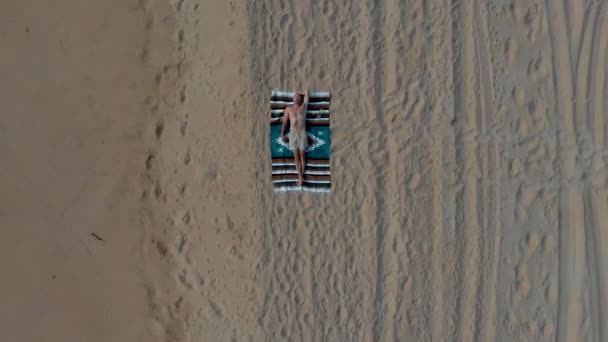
377	143
353	307
478	211
491	175
402	113
591	74
261	71
343	263
467	209
571	214
439	72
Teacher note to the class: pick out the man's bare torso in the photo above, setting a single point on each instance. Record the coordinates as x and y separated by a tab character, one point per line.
297	117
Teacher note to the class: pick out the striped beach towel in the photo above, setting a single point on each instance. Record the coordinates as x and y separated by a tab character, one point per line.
317	176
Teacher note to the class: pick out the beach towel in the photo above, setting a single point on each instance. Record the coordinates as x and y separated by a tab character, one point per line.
317	175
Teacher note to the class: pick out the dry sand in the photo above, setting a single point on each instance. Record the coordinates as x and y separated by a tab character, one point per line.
469	200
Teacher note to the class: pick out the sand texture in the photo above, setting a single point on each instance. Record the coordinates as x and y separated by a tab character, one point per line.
469	195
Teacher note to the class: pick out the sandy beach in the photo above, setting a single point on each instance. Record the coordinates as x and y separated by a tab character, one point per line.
469	196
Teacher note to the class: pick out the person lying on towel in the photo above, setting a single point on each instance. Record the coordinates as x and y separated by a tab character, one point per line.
295	115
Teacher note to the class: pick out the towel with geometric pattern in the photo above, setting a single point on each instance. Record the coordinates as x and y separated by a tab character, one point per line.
317	175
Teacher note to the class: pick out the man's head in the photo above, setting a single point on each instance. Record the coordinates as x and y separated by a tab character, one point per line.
297	98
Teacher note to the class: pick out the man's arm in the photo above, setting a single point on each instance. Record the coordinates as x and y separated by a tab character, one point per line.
306	98
285	121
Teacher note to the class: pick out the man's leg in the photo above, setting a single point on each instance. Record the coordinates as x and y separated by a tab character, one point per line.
296	156
302	162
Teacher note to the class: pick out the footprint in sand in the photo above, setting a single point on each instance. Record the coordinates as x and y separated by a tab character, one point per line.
548	244
217	309
158	191
182	95
158	131
182	128
519	96
149	161
538	69
180	39
516	11
511	48
522	287
161	247
187	157
531	242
